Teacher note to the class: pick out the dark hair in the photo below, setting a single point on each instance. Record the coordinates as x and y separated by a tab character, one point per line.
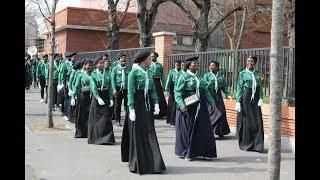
154	54
215	63
254	58
106	55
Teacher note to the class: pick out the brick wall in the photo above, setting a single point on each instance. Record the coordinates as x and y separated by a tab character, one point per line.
288	118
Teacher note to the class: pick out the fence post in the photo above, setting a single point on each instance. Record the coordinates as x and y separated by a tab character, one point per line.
163	46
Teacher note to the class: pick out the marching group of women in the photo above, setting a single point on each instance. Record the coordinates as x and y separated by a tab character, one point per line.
90	93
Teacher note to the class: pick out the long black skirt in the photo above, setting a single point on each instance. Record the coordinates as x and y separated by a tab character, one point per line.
161	99
220	123
81	122
194	138
250	124
172	106
144	152
125	141
100	129
74	110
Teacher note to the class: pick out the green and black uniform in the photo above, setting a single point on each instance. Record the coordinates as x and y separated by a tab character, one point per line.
169	89
215	83
119	81
144	153
194	135
82	84
158	78
100	129
42	71
65	71
249	119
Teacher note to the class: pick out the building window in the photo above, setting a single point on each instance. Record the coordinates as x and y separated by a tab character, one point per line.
186	40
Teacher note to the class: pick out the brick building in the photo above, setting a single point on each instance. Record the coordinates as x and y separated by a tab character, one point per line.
84	29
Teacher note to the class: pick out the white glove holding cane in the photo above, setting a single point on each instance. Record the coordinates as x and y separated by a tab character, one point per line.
132	115
238	107
101	102
111	103
156	109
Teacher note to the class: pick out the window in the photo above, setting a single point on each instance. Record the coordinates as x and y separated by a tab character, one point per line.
186	40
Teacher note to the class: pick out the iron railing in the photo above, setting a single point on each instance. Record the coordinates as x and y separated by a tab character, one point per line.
233	61
113	53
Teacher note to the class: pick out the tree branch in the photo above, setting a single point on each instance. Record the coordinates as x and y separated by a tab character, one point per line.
179	4
223	18
43	14
125	13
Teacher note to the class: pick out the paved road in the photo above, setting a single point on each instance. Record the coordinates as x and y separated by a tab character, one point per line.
57	155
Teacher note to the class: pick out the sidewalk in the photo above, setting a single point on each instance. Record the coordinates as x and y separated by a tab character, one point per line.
57	155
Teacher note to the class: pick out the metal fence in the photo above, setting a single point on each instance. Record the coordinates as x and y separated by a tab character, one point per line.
113	53
233	61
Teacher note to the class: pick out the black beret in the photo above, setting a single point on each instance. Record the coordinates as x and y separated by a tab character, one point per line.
69	54
177	61
97	59
121	54
55	55
188	60
253	57
155	54
215	62
77	65
88	61
140	56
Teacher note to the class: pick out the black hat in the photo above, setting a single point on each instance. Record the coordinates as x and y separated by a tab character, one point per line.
254	58
55	55
140	56
69	54
154	54
177	61
121	54
215	62
77	65
190	59
88	61
97	59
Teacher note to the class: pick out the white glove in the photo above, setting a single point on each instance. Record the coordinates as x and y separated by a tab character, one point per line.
229	97
260	102
60	87
73	102
111	103
132	115
70	93
238	107
101	102
156	109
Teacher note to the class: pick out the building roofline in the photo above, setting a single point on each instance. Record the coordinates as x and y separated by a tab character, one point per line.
93	28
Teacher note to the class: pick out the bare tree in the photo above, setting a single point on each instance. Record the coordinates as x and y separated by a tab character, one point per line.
276	87
115	21
31	26
203	28
291	35
146	18
45	10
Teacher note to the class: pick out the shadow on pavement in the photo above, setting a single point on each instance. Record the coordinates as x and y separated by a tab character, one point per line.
191	170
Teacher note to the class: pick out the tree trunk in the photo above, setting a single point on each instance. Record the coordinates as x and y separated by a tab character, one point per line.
291	68
231	41
202	33
243	24
276	88
50	83
113	32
